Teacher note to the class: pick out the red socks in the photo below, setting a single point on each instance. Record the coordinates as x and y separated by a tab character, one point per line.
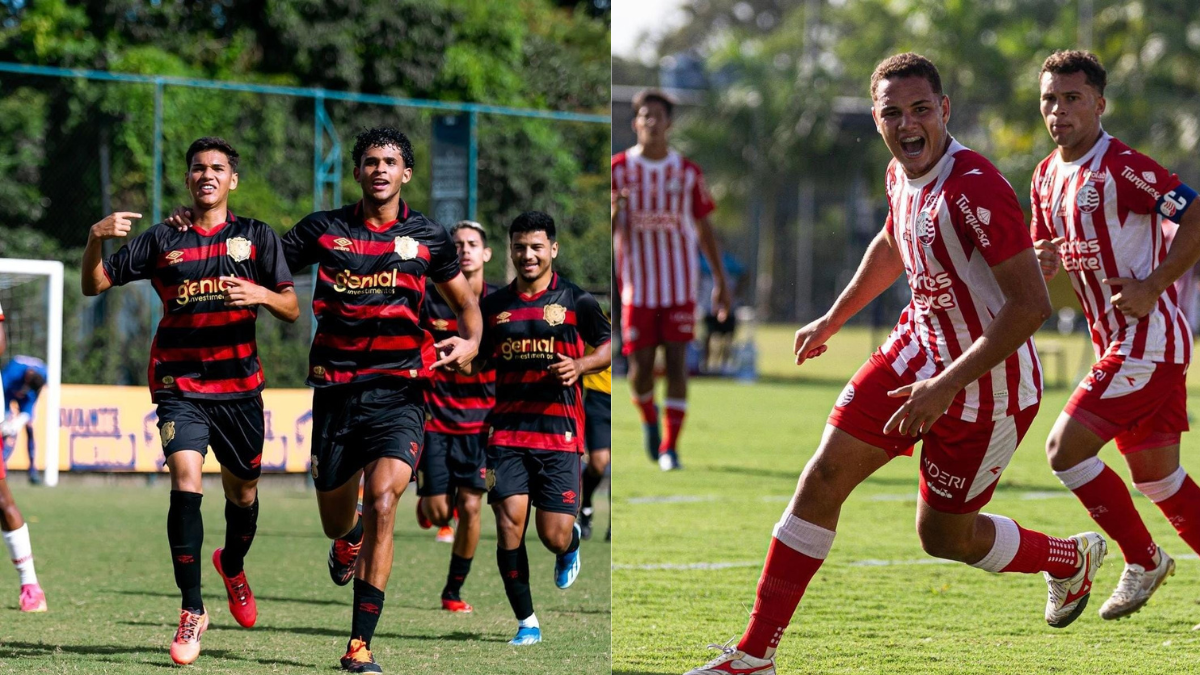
1178	497
676	410
645	405
1108	503
1017	549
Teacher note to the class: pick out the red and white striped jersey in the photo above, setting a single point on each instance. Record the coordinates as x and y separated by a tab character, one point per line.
1104	203
951	226
657	263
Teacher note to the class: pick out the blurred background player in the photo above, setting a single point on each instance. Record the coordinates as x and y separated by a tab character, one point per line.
537	329
450	477
368	363
15	530
24	377
205	374
597	412
1099	209
958	373
660	213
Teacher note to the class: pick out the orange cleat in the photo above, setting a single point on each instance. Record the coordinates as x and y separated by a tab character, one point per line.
186	646
423	521
32	598
457	606
358	658
445	535
241	598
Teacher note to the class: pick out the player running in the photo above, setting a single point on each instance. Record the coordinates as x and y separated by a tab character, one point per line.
450	478
597	431
368	363
15	530
537	328
24	377
204	372
958	372
660	208
1099	209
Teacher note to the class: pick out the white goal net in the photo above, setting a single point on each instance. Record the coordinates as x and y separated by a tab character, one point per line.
31	295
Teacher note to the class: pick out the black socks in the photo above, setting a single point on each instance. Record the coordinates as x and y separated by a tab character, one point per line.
590	483
459	569
368	605
514	570
240	526
185	534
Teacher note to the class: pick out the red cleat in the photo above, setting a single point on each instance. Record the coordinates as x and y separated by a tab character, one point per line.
457	606
241	598
424	522
185	648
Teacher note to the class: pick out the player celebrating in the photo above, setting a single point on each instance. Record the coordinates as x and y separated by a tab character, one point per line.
1098	207
537	330
24	377
597	411
959	372
204	374
368	361
450	478
16	531
659	218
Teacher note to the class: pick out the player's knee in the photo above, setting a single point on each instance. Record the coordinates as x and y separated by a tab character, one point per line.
940	544
556	542
437	511
1056	454
381	505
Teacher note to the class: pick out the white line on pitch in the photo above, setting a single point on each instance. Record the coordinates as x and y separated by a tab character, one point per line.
670	499
870	562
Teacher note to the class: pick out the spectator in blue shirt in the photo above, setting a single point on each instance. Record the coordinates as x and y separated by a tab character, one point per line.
23	377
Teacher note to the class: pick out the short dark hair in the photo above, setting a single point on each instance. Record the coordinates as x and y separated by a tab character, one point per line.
470	225
653	96
382	137
35	380
1077	61
532	221
213	143
907	64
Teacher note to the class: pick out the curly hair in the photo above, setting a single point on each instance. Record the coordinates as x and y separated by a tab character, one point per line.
532	221
383	137
213	143
1076	61
907	64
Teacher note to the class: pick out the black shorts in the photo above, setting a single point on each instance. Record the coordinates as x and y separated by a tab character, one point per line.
451	461
356	424
550	477
234	429
597	426
717	327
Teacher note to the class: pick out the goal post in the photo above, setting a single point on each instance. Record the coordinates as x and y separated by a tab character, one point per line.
36	286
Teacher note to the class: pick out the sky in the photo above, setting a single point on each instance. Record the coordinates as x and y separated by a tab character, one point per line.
631	18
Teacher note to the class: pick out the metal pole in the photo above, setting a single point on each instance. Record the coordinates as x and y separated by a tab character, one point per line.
158	149
472	159
318	149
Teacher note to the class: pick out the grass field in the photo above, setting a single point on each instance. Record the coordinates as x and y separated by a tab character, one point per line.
102	559
690	546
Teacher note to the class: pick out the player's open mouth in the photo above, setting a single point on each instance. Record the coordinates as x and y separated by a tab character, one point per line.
379	185
208	189
912	146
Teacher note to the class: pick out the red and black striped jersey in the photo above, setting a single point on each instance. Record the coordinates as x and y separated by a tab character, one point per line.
455	404
370	286
203	349
523	335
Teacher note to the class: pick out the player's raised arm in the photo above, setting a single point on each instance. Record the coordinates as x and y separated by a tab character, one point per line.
879	269
458	352
93	279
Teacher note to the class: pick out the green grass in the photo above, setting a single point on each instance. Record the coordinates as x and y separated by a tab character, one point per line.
743	448
102	559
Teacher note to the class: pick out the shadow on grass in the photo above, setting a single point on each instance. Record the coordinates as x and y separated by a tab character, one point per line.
31	650
318	534
269	598
459	636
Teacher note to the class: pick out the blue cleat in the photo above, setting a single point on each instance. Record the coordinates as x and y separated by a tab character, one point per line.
566	566
653	439
527	636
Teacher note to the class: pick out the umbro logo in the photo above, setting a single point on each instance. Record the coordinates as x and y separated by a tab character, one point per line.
342	244
174	257
369	607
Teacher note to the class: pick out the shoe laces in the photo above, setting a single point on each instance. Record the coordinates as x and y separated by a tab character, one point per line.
344	551
358	652
241	591
726	651
188	625
1130	585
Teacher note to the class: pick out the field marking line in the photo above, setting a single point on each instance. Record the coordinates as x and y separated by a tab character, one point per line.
868	562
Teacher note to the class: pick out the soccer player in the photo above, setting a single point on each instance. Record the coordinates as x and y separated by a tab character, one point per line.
24	377
450	478
369	363
597	431
1099	209
204	372
537	328
958	372
660	208
16	531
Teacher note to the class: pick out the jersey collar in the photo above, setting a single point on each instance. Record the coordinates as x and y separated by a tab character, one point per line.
530	298
229	218
358	211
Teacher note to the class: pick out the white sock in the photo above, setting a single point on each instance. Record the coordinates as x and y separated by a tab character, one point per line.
530	622
21	553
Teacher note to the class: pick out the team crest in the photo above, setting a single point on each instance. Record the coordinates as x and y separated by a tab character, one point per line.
168	380
238	248
167	432
407	248
318	371
924	228
341	244
1088	199
503	317
554	314
174	257
313	467
490	479
846	397
440	324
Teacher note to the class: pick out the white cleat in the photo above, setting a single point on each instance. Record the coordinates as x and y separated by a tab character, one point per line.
1136	586
734	662
1068	597
669	461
